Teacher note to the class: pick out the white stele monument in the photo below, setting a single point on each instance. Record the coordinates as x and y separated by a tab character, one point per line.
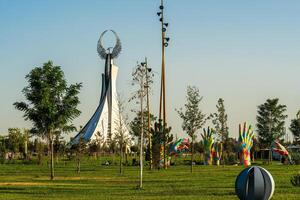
104	120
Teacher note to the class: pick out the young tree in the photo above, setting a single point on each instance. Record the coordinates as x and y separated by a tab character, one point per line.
51	104
59	146
219	119
193	117
270	121
100	142
135	130
39	148
139	79
15	140
80	150
143	77
3	148
121	132
26	136
295	128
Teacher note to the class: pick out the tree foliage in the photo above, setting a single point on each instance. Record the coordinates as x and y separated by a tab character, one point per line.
219	120
270	121
98	145
15	140
51	104
192	117
295	128
80	149
121	135
135	124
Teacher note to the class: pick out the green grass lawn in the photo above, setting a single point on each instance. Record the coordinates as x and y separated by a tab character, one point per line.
18	181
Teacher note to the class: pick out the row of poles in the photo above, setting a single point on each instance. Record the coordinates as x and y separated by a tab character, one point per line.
143	75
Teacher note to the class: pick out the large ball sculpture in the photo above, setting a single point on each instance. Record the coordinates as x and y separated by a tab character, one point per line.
254	183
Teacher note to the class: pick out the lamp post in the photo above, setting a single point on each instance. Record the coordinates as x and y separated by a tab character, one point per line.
162	102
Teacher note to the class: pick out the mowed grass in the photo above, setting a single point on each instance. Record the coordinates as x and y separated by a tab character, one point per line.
18	181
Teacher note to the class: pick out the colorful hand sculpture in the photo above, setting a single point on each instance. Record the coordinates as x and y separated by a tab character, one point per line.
168	157
217	152
245	144
161	152
208	141
281	150
179	146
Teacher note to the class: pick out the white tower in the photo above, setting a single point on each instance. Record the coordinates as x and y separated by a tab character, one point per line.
107	113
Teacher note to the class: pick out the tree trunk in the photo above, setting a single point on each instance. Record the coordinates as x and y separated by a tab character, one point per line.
192	157
121	158
271	156
165	157
51	158
26	148
98	152
78	164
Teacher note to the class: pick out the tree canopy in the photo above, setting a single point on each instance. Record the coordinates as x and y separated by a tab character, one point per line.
295	127
51	104
271	121
135	124
219	120
192	117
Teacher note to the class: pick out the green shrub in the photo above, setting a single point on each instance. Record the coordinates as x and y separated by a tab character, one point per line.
296	158
230	158
295	180
2	160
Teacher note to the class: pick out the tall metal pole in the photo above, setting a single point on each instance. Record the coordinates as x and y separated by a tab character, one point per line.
162	59
163	68
142	129
148	110
162	102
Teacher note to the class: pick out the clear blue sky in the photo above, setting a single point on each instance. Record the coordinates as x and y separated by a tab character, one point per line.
242	51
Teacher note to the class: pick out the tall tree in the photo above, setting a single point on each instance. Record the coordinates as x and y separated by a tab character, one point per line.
219	119
270	121
295	128
51	104
193	117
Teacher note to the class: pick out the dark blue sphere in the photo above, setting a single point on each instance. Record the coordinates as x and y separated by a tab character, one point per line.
254	183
